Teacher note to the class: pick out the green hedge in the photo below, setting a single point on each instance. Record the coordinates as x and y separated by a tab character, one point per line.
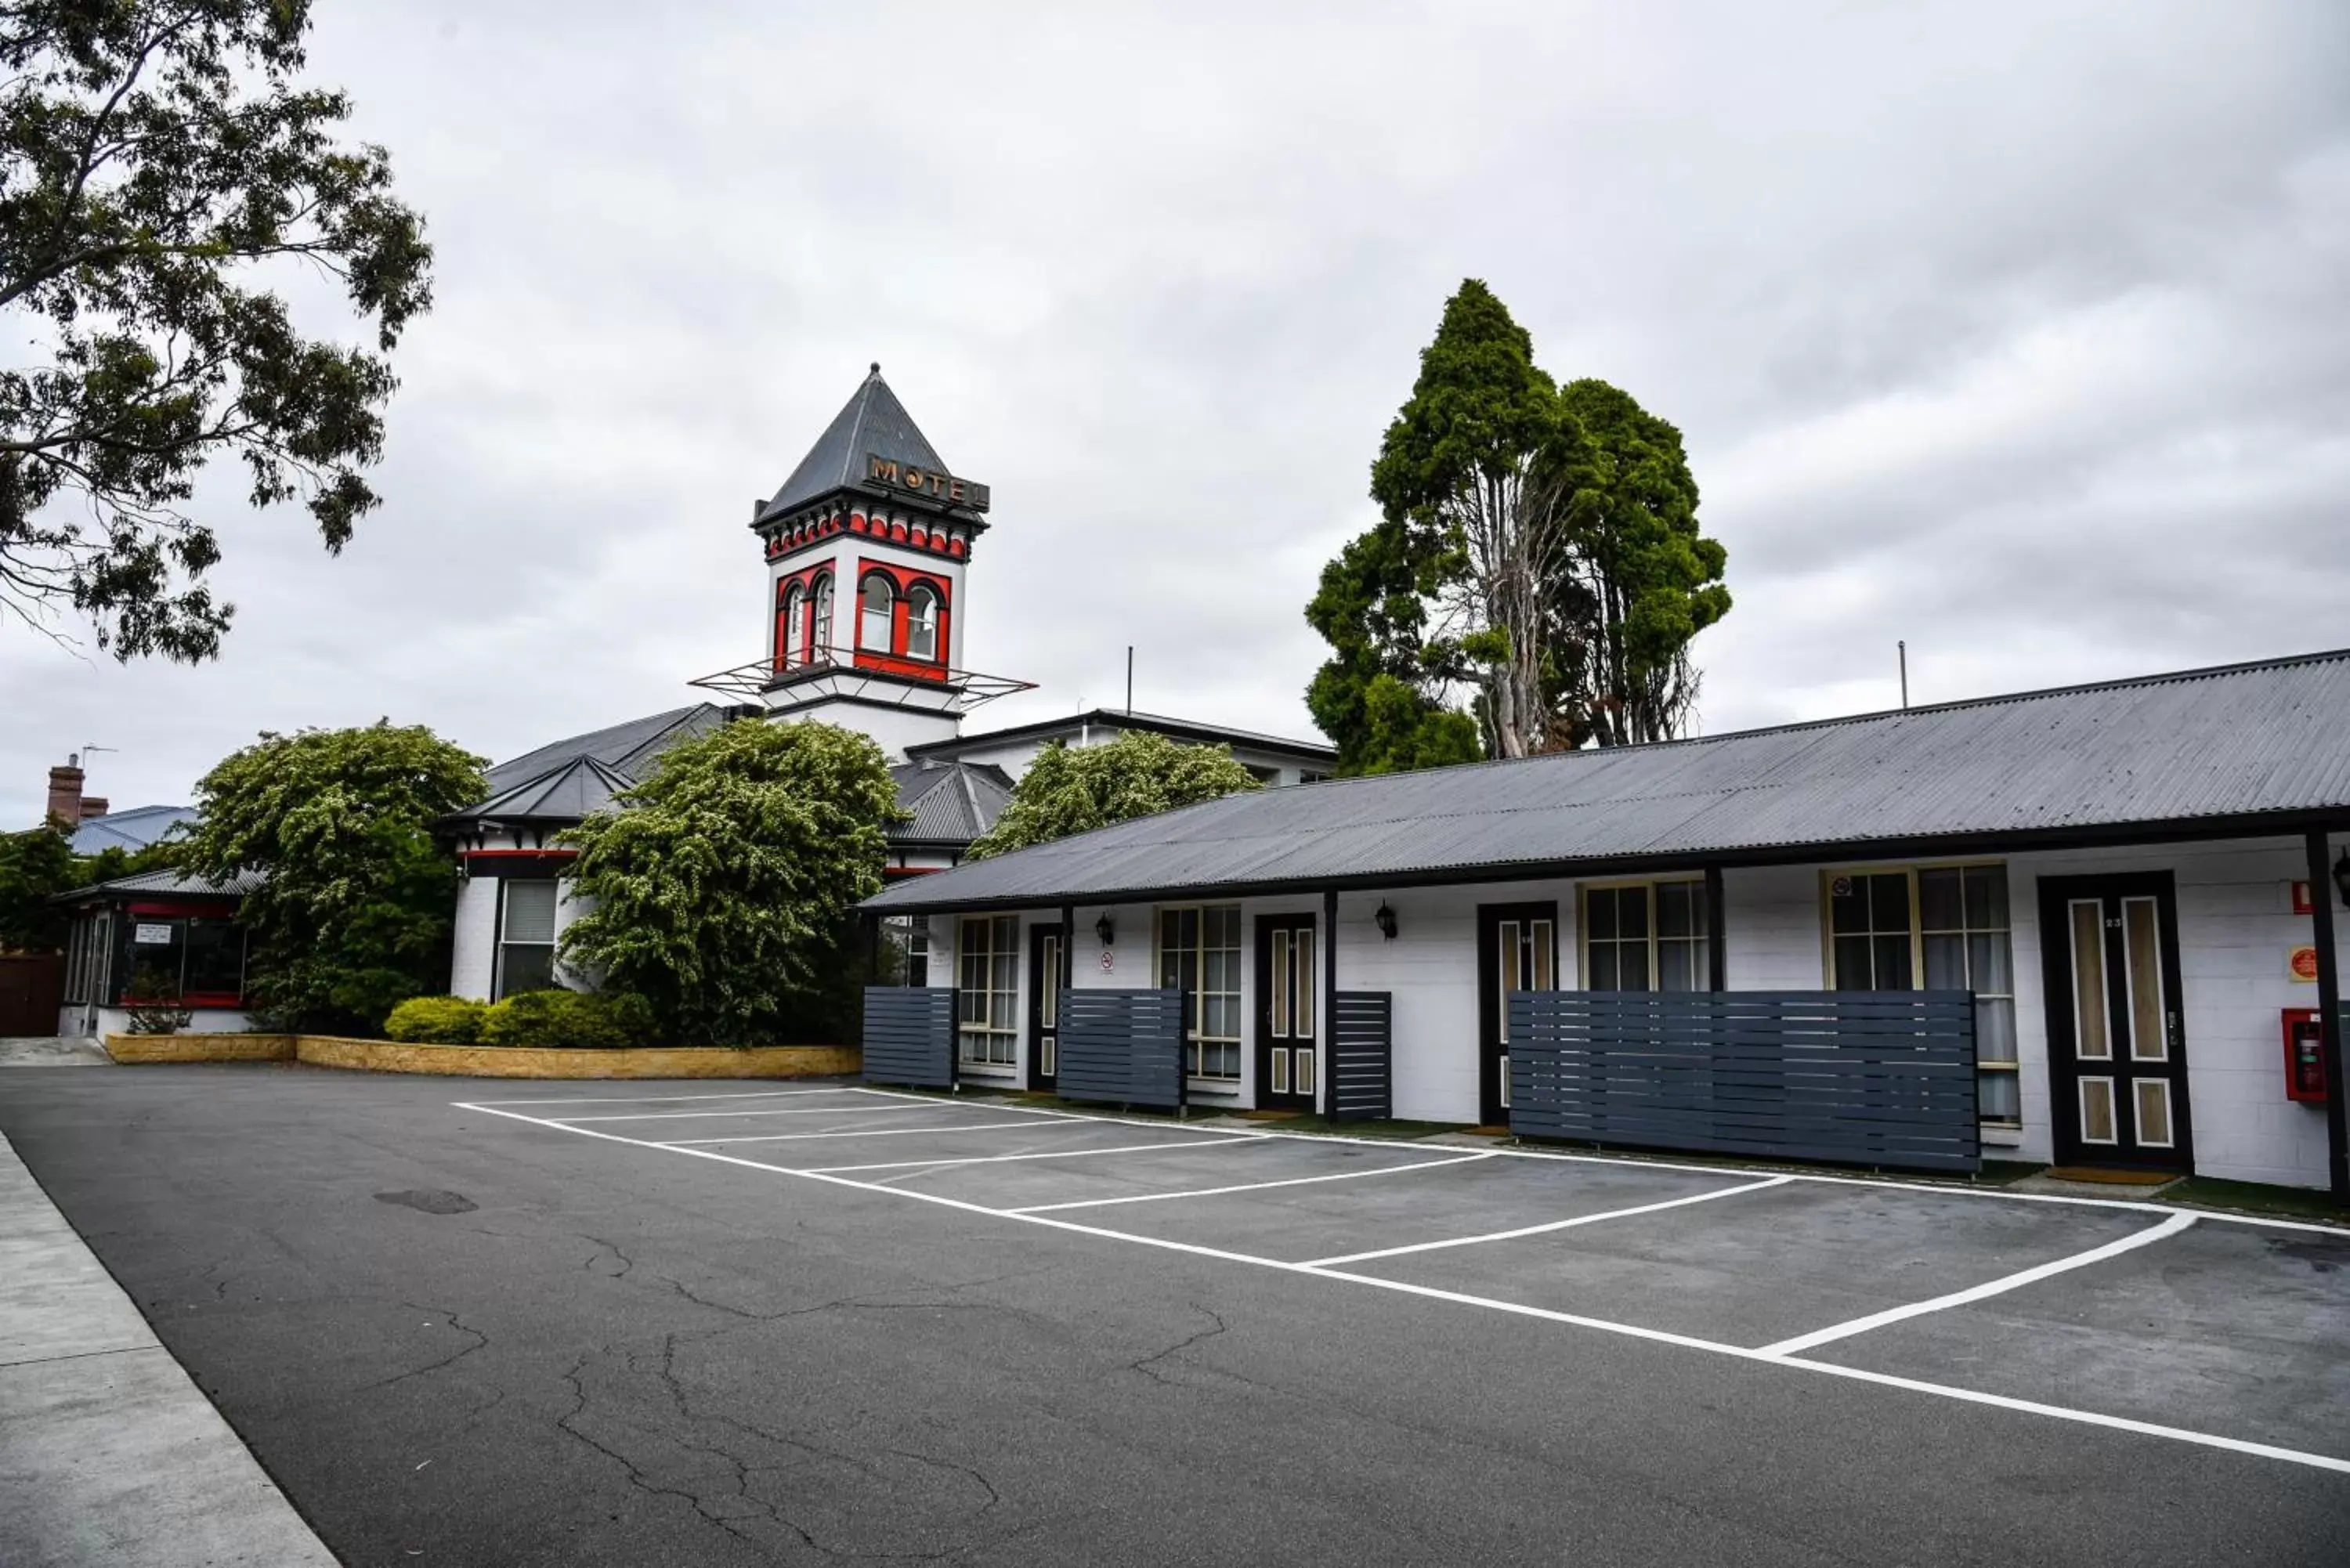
585	1020
437	1021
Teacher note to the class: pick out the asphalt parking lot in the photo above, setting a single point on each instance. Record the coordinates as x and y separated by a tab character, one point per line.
494	1324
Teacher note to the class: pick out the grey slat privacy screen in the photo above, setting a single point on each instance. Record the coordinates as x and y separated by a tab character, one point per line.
1362	1056
1122	1046
1883	1078
910	1035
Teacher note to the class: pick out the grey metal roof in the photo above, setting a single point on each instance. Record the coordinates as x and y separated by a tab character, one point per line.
564	792
625	749
953	802
133	827
2254	747
1316	750
872	420
166	881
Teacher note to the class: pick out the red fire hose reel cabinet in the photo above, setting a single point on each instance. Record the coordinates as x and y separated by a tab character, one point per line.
2305	1056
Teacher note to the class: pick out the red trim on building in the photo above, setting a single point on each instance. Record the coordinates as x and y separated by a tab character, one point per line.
227	906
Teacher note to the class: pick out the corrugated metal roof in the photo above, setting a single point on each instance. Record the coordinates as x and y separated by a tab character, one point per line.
563	793
623	748
172	882
953	802
561	783
133	827
1116	719
2242	741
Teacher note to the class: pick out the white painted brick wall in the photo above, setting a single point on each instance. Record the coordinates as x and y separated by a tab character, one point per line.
2235	928
474	960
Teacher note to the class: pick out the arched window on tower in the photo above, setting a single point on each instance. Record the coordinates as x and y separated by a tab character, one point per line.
874	604
820	631
922	622
794	628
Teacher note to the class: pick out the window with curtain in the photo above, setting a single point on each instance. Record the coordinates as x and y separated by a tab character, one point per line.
820	628
794	645
987	971
873	602
922	623
525	936
1647	936
1199	952
1935	928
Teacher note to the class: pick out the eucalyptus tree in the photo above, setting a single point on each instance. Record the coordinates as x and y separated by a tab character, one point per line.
164	169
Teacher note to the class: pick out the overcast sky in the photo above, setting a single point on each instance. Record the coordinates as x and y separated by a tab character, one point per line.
2017	331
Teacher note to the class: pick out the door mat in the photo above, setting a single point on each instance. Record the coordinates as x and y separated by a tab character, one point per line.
2111	1177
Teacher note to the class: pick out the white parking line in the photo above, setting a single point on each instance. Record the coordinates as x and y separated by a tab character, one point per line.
891	1108
656	1099
1517	1309
1543	1229
852	1132
2170	1227
1245	1187
1809	1178
1223	1141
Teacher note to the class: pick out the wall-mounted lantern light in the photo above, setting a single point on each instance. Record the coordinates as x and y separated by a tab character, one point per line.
2342	876
1387	920
1107	929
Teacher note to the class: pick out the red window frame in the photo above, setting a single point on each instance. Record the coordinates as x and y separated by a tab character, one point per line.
806	581
902	581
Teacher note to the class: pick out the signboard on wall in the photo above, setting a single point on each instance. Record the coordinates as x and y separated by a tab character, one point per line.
2303	963
154	936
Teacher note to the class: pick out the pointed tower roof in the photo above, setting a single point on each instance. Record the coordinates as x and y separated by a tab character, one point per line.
873	422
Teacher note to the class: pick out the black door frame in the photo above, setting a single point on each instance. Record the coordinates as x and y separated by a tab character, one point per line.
1042	985
2057	894
1490	1019
1289	1099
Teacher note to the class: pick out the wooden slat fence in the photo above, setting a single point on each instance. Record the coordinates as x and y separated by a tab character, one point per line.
1878	1078
1123	1047
1362	1056
910	1035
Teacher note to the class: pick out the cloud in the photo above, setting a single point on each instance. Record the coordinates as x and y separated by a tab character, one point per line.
2006	330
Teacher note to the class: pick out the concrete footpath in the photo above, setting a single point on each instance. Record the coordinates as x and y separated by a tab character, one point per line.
108	1453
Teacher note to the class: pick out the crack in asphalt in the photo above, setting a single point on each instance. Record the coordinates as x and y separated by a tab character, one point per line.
1217	1327
734	1491
480	1339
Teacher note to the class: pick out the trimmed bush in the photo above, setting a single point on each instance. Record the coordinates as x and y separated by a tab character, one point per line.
436	1020
579	1020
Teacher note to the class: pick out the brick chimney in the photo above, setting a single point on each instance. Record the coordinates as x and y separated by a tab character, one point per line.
92	805
64	794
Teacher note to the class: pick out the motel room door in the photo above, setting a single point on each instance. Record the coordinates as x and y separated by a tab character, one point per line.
2117	1055
1288	991
1517	949
1043	1006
